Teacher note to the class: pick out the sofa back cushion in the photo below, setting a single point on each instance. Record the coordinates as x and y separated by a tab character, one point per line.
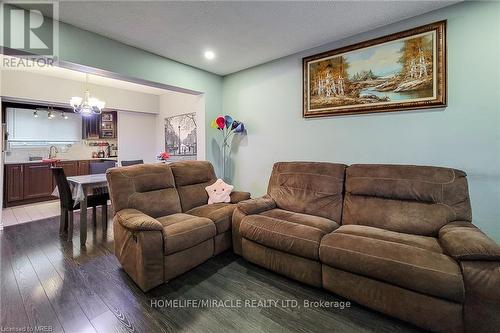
405	198
149	188
191	178
313	188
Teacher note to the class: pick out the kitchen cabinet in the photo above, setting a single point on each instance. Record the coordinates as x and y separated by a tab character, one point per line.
37	181
75	168
13	182
70	168
91	126
26	183
108	125
33	182
83	168
23	127
103	126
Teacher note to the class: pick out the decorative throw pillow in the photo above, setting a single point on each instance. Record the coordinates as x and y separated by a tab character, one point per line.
219	192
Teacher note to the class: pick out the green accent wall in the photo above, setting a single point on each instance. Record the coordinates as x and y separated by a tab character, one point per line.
465	135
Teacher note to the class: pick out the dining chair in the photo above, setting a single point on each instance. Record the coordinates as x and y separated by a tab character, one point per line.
132	162
98	168
101	167
68	205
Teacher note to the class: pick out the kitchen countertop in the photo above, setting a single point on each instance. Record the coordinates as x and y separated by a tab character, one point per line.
64	160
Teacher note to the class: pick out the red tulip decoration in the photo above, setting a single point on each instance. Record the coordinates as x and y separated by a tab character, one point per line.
228	128
221	122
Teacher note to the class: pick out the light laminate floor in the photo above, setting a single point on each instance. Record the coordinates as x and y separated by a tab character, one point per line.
30	212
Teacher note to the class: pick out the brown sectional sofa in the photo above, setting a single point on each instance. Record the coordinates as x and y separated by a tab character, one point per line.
398	239
163	226
395	238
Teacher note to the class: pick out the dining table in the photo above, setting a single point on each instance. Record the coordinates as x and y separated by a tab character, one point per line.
81	188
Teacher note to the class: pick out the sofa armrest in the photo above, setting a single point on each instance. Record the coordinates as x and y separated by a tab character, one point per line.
482	295
257	205
135	220
464	241
237	196
140	253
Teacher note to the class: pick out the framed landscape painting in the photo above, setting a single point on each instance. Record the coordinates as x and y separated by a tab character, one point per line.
402	71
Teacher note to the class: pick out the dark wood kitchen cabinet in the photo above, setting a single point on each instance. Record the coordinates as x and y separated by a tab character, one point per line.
108	126
103	126
70	168
26	183
37	181
83	168
75	168
91	127
13	182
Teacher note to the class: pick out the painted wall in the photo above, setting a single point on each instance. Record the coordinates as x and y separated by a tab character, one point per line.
174	103
136	136
465	135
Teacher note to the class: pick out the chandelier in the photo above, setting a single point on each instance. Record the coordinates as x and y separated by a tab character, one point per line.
87	105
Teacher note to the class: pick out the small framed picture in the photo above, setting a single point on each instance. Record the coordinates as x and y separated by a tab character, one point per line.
107	117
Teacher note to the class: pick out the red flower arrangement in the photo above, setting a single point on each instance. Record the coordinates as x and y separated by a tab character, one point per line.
163	156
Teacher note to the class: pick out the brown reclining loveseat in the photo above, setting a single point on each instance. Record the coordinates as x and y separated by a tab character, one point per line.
163	226
395	238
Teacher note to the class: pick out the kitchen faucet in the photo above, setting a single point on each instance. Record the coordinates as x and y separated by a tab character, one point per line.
53	155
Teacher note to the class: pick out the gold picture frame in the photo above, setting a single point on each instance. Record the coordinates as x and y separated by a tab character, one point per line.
401	71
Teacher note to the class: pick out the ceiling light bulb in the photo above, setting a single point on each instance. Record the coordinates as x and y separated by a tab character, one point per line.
100	105
209	55
75	101
35	114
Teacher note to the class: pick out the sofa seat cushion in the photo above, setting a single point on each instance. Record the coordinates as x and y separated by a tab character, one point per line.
324	224
301	240
423	242
407	266
219	213
183	231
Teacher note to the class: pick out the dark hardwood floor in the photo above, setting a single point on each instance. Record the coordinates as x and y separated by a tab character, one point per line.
53	285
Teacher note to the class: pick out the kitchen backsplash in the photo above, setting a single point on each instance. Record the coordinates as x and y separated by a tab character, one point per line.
79	150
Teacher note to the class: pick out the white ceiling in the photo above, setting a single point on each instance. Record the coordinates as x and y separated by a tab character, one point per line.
242	34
